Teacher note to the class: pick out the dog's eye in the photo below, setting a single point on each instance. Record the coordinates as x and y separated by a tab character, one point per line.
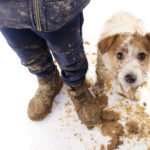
141	56
119	55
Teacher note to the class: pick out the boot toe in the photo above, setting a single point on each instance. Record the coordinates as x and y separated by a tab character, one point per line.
89	114
37	109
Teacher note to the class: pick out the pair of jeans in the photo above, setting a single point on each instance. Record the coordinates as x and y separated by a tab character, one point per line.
34	48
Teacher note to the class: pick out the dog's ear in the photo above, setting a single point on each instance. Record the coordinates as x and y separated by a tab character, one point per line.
148	36
105	44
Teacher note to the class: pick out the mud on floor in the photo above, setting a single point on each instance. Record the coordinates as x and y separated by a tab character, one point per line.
126	119
122	120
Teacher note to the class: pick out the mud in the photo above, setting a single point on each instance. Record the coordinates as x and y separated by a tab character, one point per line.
137	121
144	104
109	116
102	147
103	101
139	125
93	53
115	131
109	125
93	62
132	127
108	86
121	94
86	43
41	103
114	143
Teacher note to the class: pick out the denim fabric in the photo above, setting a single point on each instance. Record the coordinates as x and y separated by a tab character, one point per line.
41	15
66	44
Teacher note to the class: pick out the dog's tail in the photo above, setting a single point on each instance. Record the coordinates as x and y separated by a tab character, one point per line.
122	22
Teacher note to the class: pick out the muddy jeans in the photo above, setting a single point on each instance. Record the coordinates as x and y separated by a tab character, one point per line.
34	48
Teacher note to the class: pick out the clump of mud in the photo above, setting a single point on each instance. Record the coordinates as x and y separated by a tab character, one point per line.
132	127
102	147
140	124
110	127
86	43
102	101
109	124
109	116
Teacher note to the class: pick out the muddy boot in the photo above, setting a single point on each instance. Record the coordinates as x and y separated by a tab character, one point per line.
86	106
40	105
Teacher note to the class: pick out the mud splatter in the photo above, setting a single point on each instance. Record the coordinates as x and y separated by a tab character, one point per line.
102	147
109	125
108	85
109	116
103	100
132	127
144	104
121	94
93	53
115	131
86	43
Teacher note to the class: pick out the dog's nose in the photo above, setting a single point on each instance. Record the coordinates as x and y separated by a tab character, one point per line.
130	78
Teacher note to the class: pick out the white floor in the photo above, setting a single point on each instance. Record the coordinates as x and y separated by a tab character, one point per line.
61	130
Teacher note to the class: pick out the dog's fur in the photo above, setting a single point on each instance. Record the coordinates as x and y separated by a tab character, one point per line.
123	36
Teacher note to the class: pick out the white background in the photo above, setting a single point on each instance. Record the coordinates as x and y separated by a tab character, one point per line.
17	86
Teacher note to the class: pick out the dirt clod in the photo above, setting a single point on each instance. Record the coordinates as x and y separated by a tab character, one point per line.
114	143
132	127
144	104
86	43
109	116
102	147
109	125
103	100
114	130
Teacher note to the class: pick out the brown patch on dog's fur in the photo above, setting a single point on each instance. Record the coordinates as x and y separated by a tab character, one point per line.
137	40
105	44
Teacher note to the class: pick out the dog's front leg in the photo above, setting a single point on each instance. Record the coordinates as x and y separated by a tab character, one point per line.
98	88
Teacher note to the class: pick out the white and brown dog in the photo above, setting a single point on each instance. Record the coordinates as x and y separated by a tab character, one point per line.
123	54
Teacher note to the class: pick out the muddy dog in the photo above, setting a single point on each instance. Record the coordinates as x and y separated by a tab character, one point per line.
123	55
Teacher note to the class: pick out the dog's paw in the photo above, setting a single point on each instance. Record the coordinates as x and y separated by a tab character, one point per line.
98	89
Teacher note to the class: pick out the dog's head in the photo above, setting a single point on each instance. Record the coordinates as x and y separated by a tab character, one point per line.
128	56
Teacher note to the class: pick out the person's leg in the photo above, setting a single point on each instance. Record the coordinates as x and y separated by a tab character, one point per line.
34	54
66	45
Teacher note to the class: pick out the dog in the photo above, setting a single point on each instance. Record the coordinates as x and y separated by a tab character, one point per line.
123	54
